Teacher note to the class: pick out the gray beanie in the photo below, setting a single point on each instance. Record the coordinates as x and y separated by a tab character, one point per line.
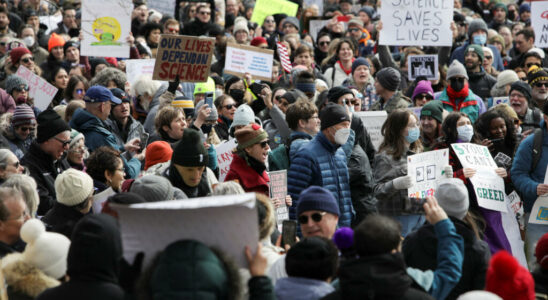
452	196
389	78
213	116
476	25
153	188
456	68
14	81
293	21
506	77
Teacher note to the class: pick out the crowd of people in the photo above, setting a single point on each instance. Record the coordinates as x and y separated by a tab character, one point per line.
105	141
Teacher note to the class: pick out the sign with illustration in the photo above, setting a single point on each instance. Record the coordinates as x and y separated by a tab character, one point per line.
427	169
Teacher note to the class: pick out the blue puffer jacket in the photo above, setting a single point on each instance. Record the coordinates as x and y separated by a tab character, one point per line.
526	180
323	164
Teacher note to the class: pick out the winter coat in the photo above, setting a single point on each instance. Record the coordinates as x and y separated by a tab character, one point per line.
44	170
298	288
222	128
6	249
458	54
420	249
24	280
541	281
361	184
481	83
62	219
18	146
532	119
398	100
133	130
249	179
337	79
468	105
380	277
324	164
203	189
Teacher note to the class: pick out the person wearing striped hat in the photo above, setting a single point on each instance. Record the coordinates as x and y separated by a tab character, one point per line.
21	132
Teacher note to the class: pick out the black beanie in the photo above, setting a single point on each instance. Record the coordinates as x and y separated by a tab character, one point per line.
190	150
389	78
50	124
523	88
336	92
333	114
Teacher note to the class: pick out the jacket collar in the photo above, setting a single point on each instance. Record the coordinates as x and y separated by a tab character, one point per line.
322	139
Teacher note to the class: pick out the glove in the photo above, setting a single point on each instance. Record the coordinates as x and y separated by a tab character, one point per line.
173	85
448	171
403	182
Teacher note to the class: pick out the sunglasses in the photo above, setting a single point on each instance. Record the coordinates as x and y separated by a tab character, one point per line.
523	79
424	96
3	44
205	13
229	106
316	217
529	65
65	143
264	143
541	84
20	89
323	43
489	57
353	29
26	128
26	60
16	164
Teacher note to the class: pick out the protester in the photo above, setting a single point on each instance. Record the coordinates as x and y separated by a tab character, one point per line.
9	165
106	168
15	214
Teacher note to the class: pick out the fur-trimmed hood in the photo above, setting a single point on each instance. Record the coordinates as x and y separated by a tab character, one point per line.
22	277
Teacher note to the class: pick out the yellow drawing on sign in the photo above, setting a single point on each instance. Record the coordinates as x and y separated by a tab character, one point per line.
107	31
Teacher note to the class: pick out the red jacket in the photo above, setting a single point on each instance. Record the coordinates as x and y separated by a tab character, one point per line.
248	178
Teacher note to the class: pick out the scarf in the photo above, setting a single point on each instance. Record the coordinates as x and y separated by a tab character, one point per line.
347	71
457	95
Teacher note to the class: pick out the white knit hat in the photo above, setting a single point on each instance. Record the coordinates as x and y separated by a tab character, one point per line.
244	115
506	77
479	295
73	187
45	250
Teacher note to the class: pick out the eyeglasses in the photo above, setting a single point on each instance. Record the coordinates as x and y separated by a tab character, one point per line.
229	106
541	84
121	170
16	164
488	57
269	21
79	150
523	79
65	143
79	91
353	29
424	96
316	217
21	88
26	60
324	43
26	128
205	13
516	95
529	65
264	143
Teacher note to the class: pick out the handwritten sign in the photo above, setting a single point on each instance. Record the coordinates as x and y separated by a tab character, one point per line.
539	213
488	186
416	23
241	59
224	157
278	189
423	65
539	22
427	169
264	8
373	121
498	100
137	67
39	89
188	57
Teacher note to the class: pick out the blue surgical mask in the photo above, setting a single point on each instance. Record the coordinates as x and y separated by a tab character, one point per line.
480	39
413	135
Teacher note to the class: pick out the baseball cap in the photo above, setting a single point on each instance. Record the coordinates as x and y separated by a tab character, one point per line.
120	94
98	93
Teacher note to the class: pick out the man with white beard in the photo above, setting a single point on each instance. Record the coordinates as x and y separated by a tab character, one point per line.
538	80
520	101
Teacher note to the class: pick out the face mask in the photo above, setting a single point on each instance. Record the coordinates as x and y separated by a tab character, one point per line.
413	135
480	39
511	15
218	92
206	128
351	108
237	95
341	136
457	85
465	132
29	41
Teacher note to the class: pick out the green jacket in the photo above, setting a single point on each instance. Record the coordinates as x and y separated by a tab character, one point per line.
398	100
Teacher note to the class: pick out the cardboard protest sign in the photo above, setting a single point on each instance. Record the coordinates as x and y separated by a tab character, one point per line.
539	213
373	121
241	59
488	186
416	23
427	169
264	8
106	26
188	57
224	157
423	65
539	22
228	223
278	189
137	67
39	89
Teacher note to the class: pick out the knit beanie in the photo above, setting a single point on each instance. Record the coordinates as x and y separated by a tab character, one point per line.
73	187
157	152
360	61
479	295
55	40
333	114
13	81
46	251
475	25
49	125
524	7
344	238
69	44
243	116
455	69
293	21
190	150
249	136
75	136
423	87
498	39
186	104
153	188
389	78
257	41
523	88
317	198
17	53
368	10
508	279
433	109
23	115
476	49
536	74
336	92
500	5
356	21
506	77
213	116
452	196
240	26
541	251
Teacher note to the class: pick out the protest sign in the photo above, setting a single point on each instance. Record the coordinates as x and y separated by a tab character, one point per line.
166	7
264	8
511	230
539	213
106	26
373	121
225	222
314	27
241	59
423	65
278	190
539	22
137	67
497	100
188	57
224	157
51	21
100	199
39	89
416	23
488	186
416	110
427	169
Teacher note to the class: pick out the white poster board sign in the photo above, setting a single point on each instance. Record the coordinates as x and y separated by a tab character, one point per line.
488	186
39	89
100	199
242	59
106	25
224	157
314	27
423	65
163	6
51	21
539	213
228	223
511	229
427	169
137	67
416	23
539	22
373	121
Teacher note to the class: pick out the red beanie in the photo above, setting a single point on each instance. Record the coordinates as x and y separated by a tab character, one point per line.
541	252
157	152
112	61
257	41
16	54
508	279
55	40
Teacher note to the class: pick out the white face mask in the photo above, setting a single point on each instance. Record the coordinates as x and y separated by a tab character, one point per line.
341	136
465	132
351	108
218	92
29	41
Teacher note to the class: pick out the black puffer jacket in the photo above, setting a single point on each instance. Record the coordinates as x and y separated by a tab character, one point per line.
62	219
481	83
361	184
